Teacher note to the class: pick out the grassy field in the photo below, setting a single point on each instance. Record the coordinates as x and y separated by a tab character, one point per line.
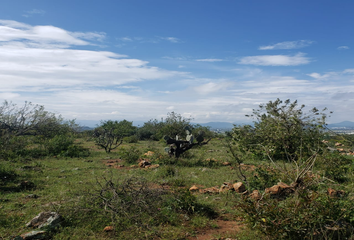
163	206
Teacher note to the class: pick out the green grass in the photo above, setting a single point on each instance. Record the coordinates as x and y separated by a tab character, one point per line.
61	185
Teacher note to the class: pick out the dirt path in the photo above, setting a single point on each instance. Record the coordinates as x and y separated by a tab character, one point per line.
225	231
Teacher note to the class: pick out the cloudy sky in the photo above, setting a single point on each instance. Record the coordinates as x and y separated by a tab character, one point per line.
209	60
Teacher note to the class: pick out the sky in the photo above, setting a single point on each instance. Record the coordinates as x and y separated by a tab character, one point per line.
213	61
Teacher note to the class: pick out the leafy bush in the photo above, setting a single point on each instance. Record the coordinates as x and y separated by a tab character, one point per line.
306	215
131	139
75	151
282	131
59	144
130	155
263	178
335	166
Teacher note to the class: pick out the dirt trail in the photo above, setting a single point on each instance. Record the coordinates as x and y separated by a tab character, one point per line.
225	231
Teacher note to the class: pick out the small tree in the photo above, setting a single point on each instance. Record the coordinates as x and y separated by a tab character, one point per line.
282	131
21	126
110	134
178	146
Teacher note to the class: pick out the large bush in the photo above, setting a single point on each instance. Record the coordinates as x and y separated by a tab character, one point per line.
282	131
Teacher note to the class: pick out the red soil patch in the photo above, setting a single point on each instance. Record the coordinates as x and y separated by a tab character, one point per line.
225	230
114	163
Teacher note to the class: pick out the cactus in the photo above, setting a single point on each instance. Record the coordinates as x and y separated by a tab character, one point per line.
178	146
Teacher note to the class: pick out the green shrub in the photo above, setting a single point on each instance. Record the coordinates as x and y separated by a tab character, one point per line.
335	166
305	215
131	139
75	151
263	178
130	155
59	144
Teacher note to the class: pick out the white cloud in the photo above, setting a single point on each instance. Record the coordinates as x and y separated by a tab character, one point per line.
34	58
209	60
33	12
11	31
98	36
331	75
171	39
276	60
212	87
126	39
49	69
287	45
156	39
351	70
343	48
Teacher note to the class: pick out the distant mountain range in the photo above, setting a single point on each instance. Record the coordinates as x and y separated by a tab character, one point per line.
345	124
87	124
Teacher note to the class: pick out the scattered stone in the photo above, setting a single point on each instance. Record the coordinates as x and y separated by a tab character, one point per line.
334	193
211	190
194	188
33	235
255	195
45	220
108	229
273	190
226	163
280	189
75	169
226	186
133	166
239	187
149	153
338	144
143	163
153	166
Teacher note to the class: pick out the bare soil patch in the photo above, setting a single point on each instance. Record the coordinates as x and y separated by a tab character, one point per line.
225	230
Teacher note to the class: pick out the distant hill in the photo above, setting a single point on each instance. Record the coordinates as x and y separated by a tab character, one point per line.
345	124
221	125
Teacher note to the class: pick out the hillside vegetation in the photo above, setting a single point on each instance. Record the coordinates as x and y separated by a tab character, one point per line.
284	177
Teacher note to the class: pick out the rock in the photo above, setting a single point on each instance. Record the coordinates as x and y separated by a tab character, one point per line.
108	229
338	144
239	187
143	163
34	235
211	190
280	189
45	220
273	190
149	153
194	188
226	163
226	186
255	195
334	193
153	166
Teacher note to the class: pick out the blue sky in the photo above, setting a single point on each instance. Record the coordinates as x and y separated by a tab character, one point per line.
209	60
